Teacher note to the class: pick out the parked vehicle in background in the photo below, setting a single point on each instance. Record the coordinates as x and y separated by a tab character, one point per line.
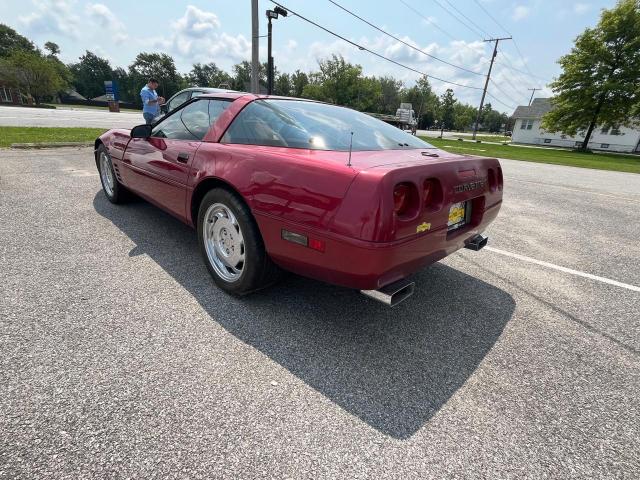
187	94
320	190
404	119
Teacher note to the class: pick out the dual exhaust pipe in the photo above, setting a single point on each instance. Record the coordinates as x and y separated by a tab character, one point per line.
394	293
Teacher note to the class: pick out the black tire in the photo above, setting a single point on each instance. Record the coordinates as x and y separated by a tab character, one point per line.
115	193
258	271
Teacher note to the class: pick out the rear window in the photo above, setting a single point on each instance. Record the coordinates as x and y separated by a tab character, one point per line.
316	126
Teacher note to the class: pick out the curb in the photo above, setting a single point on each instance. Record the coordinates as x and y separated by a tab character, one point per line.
51	145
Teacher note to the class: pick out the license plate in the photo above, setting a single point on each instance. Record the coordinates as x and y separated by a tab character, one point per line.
457	215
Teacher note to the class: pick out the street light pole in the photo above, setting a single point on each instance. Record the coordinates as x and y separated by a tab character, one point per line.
269	58
255	48
272	15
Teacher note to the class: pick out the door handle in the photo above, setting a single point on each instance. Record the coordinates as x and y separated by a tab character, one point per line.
183	157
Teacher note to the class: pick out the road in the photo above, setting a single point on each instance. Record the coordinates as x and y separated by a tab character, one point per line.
67	117
120	359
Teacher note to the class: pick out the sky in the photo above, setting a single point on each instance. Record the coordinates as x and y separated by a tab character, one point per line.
220	31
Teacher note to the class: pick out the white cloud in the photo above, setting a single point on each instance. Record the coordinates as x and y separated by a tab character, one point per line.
520	12
107	20
196	37
196	23
52	16
581	8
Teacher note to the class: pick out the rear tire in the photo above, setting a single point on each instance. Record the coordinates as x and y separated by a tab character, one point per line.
231	244
112	188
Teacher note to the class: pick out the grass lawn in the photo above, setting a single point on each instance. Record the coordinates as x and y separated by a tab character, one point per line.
484	138
600	161
9	135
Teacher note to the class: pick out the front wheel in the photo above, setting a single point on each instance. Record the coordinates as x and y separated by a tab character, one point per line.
113	190
231	244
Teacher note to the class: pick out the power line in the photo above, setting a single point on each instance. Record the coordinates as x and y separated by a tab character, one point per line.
500	101
379	55
402	41
491	17
508	97
428	20
515	44
475	32
469	20
420	14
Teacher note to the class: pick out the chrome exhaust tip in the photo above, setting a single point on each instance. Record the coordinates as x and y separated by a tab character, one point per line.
392	294
476	243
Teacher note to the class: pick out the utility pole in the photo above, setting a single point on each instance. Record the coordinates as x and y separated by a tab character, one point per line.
255	48
486	83
533	91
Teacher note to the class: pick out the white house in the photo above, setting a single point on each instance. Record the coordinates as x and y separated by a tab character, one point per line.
527	130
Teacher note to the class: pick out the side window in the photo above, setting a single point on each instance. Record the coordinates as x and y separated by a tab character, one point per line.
216	107
256	124
195	118
178	100
171	127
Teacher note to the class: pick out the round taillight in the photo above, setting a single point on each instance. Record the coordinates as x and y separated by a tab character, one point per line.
401	198
429	187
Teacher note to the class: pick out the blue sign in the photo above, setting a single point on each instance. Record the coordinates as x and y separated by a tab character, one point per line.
111	90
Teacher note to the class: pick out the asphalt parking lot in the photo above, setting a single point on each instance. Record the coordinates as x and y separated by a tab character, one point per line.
67	117
120	359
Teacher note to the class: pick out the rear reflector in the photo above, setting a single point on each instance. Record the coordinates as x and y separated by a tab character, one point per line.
316	244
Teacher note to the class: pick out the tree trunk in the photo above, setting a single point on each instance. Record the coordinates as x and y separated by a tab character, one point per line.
594	120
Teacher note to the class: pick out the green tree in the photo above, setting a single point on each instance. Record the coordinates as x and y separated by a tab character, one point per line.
390	94
208	75
12	40
342	83
282	85
447	111
52	48
299	80
90	73
492	120
241	79
463	116
159	66
423	101
599	81
32	73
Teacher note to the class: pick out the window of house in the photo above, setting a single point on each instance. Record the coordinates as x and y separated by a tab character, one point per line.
604	145
547	140
526	124
5	95
578	144
615	131
604	130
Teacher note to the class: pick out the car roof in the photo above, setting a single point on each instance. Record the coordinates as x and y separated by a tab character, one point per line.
207	89
234	94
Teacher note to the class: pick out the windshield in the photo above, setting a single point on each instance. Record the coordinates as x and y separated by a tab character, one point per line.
317	126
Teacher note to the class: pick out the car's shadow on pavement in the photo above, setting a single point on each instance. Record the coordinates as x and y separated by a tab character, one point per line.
392	368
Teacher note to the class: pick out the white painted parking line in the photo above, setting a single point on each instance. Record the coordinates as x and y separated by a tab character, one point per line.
578	273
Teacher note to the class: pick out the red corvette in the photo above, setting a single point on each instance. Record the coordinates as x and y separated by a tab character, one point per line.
276	183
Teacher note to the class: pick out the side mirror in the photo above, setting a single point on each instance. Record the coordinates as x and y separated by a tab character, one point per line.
141	131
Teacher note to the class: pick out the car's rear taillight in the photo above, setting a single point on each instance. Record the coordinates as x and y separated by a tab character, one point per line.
429	187
432	195
401	198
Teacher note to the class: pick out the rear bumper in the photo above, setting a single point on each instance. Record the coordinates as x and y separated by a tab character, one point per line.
363	265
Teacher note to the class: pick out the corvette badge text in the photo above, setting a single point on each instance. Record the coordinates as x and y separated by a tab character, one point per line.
466	187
